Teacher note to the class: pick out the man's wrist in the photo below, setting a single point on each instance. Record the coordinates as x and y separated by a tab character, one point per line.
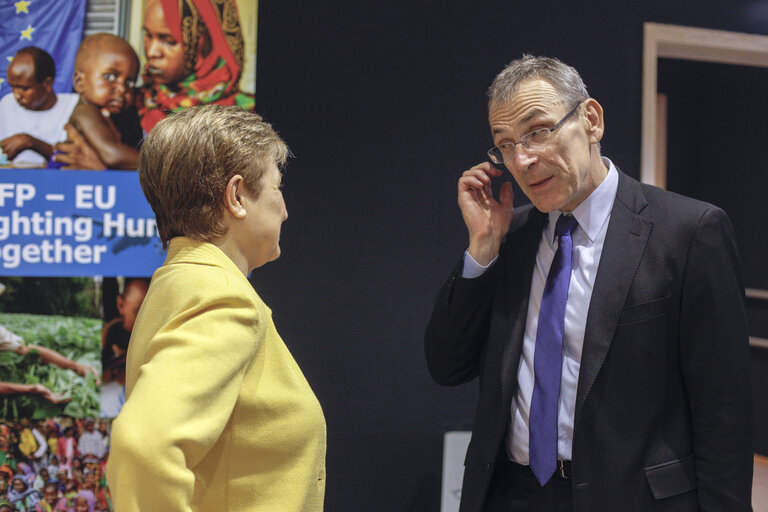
485	253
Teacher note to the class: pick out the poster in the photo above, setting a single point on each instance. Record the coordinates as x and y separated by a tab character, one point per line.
78	248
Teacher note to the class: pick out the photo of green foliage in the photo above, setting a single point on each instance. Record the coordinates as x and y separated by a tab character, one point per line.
76	338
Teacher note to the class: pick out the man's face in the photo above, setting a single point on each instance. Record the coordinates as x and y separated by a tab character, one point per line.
562	174
29	93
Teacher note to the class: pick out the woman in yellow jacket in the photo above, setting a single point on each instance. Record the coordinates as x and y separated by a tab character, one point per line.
218	416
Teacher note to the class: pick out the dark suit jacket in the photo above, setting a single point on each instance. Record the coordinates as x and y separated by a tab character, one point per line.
663	406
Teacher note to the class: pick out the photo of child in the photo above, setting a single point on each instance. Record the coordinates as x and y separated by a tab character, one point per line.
106	68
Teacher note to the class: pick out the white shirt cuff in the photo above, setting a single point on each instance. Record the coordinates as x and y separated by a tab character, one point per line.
472	268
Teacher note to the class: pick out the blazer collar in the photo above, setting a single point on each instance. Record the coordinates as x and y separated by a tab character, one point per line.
625	241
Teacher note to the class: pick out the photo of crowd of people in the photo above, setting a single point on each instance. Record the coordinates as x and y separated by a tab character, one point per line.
54	465
58	463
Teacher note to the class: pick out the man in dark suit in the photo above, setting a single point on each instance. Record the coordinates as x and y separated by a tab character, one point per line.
651	408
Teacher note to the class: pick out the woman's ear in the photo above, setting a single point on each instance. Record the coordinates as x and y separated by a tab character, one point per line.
233	196
593	112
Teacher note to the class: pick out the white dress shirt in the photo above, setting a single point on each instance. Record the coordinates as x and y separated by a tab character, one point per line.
588	238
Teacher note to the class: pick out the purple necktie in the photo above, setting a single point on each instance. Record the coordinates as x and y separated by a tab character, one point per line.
547	357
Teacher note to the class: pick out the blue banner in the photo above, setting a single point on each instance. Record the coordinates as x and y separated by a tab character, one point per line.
56	26
76	223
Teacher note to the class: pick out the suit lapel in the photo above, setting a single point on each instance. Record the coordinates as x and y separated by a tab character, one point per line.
624	246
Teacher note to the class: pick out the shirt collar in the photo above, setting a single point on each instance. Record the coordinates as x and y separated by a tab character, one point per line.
593	212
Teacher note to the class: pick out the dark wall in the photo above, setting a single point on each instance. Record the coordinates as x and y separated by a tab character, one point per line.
717	147
383	105
717	152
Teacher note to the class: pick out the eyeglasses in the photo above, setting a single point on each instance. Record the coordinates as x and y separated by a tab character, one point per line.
534	141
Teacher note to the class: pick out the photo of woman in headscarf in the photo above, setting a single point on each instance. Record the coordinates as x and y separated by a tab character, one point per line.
194	51
22	495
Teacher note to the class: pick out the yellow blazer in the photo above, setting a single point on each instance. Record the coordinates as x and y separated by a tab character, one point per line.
218	416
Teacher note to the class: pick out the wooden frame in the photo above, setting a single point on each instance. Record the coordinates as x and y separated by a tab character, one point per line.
687	43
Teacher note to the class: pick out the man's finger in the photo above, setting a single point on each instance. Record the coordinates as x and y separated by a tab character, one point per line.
506	195
490	169
472	183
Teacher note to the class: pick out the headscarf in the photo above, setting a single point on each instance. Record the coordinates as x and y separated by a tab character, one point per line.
26	470
213	69
89	497
29	496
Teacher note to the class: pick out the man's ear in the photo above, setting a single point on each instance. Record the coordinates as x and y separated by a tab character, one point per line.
77	81
233	196
593	113
48	83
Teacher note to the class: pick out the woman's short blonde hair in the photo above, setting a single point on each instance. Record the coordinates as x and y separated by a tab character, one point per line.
189	157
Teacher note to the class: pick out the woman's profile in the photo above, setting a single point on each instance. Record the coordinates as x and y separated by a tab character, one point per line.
218	415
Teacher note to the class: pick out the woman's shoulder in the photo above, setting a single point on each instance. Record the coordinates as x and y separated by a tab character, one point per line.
200	263
194	285
203	281
187	294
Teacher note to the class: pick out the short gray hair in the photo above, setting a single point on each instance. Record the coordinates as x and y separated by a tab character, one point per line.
565	79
